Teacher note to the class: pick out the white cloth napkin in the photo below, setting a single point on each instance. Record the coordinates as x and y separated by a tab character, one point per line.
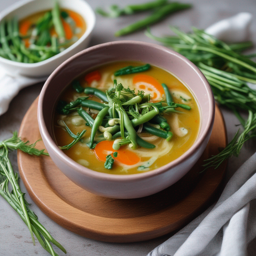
222	230
11	85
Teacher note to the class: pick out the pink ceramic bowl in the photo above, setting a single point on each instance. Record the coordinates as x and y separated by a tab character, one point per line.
136	185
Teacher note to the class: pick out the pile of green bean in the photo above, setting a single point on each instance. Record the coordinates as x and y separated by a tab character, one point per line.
160	8
122	112
42	45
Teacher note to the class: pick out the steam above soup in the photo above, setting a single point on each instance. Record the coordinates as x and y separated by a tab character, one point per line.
126	118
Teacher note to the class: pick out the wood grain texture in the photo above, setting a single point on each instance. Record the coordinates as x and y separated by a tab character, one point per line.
115	220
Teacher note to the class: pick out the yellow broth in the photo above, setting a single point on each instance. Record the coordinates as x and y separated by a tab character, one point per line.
188	120
26	24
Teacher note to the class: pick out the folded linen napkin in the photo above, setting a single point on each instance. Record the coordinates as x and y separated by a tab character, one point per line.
11	85
222	230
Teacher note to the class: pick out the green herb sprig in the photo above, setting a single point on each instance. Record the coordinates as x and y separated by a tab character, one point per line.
235	145
227	71
109	162
10	190
225	68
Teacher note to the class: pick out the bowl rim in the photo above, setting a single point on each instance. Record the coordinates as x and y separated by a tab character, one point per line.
116	177
87	33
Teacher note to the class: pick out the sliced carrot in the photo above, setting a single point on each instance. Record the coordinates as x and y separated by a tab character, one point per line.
150	84
76	18
93	76
124	156
67	29
24	27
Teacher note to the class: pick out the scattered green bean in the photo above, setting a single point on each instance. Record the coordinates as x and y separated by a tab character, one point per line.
56	18
168	95
160	14
92	104
160	133
96	92
140	141
97	122
161	121
131	70
89	120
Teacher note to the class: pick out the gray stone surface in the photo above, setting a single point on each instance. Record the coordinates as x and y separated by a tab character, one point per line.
14	236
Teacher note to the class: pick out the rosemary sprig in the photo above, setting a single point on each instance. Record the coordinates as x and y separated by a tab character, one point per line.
15	143
225	68
10	190
227	71
235	145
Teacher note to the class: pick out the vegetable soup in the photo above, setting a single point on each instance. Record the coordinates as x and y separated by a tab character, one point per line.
126	118
41	35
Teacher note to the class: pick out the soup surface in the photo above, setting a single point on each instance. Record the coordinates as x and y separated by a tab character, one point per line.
73	23
184	124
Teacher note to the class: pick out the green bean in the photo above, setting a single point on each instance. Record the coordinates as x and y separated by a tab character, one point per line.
183	106
57	22
168	96
130	9
142	143
26	52
115	11
153	18
133	101
44	38
146	117
77	86
97	122
85	116
4	42
92	104
44	23
15	33
129	127
15	50
96	92
131	70
160	133
161	121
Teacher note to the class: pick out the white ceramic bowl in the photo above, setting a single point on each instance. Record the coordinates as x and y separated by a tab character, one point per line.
41	69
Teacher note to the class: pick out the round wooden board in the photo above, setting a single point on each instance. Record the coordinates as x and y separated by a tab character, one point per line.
113	220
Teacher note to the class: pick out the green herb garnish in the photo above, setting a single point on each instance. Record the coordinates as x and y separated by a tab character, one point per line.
109	162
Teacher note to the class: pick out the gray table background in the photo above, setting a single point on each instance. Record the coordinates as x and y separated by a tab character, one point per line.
14	236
